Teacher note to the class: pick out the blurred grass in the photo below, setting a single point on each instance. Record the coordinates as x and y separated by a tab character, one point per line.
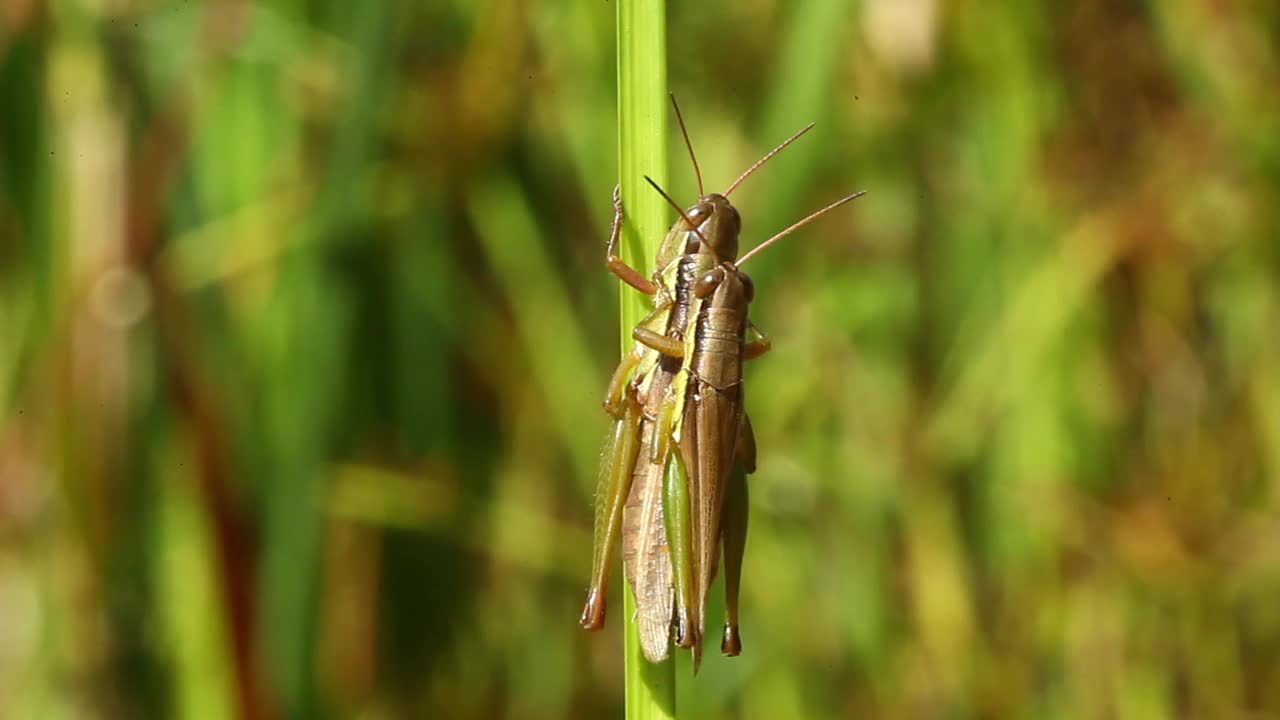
303	328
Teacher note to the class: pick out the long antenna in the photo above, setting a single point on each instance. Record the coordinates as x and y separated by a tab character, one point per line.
696	170
798	225
766	158
673	204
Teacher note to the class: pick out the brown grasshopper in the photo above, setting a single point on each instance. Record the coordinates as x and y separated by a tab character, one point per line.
705	233
669	552
717	446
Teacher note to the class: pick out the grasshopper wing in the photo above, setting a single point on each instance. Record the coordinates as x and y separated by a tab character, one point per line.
647	557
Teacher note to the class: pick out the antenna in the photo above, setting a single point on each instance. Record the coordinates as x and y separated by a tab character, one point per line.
673	204
766	158
798	225
696	170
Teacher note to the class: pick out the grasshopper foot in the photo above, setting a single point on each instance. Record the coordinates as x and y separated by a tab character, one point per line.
593	611
683	630
731	643
615	409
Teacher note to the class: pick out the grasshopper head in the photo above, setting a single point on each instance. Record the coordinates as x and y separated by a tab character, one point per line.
718	221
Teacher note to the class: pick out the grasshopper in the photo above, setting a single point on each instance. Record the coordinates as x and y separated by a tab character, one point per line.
704	233
717	445
681	353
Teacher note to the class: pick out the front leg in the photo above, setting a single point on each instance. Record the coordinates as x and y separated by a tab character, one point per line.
616	264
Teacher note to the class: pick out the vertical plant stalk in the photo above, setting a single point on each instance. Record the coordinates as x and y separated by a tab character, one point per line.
642	150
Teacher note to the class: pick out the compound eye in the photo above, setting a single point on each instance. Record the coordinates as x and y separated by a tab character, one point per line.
748	287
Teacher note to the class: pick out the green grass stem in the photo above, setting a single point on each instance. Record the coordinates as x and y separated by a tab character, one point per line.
642	133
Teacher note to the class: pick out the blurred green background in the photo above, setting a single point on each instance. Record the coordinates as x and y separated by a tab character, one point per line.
304	327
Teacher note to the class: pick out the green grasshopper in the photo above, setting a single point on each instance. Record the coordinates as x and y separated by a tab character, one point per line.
641	493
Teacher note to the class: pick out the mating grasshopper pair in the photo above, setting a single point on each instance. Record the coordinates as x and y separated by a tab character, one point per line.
681	388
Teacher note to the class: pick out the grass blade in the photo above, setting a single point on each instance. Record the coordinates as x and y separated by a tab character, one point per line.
642	132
